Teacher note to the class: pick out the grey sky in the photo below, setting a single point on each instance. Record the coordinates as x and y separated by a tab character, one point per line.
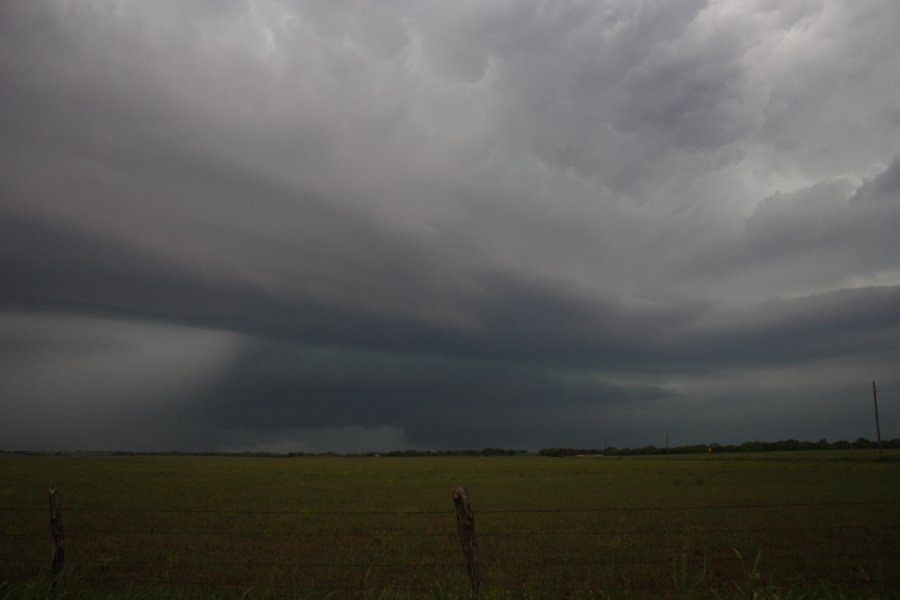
357	226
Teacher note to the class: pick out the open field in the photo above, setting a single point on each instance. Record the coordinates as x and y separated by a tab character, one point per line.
822	523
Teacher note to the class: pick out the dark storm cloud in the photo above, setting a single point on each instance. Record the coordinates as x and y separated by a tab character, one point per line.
845	323
437	402
811	235
506	318
447	224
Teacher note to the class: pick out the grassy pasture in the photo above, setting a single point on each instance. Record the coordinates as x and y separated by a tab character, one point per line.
823	524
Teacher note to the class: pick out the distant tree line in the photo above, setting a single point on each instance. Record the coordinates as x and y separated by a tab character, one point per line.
782	446
482	452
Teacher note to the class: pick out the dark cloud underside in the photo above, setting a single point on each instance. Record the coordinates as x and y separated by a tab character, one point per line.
340	226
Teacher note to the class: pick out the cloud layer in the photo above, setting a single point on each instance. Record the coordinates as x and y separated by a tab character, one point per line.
332	226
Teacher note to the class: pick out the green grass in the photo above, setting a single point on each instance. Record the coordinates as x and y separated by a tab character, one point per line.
786	525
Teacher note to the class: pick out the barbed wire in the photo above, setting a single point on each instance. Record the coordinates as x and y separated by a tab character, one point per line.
449	513
507	565
506	562
708	584
403	533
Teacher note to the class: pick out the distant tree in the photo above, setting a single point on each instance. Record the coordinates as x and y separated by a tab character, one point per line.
557	452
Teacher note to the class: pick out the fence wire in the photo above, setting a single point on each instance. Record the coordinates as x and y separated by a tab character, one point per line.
640	560
488	511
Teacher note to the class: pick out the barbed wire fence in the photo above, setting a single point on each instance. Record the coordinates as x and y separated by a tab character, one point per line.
653	550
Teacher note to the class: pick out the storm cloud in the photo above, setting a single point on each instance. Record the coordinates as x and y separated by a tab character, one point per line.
349	226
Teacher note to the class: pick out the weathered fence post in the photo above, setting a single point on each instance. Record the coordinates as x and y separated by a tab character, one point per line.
465	520
58	554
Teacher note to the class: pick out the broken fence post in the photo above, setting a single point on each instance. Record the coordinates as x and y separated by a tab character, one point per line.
465	520
58	554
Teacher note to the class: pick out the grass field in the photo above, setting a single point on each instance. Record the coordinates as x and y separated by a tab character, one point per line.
791	525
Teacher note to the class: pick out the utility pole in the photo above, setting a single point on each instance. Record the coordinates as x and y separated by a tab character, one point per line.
877	423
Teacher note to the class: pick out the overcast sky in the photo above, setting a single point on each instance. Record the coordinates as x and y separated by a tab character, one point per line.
350	226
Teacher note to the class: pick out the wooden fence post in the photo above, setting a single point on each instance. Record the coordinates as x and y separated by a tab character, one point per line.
465	520
58	555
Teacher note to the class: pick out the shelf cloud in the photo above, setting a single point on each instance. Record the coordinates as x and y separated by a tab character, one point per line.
320	226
